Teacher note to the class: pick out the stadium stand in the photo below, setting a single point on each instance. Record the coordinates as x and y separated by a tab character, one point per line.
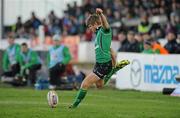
156	17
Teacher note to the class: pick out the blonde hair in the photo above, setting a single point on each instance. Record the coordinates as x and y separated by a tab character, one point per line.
92	19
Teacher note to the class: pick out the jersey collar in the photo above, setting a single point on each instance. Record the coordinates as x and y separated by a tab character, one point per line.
97	29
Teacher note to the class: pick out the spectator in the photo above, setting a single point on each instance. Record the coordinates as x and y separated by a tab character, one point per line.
144	26
35	22
131	45
18	25
30	62
53	23
172	46
178	38
148	47
177	23
122	39
140	40
88	36
158	34
52	17
19	29
58	57
46	28
31	26
87	6
157	47
123	14
11	65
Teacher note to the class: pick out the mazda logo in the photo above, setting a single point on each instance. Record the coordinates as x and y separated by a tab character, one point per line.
135	73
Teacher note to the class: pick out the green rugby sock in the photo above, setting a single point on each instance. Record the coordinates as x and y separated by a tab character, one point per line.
79	97
118	66
108	76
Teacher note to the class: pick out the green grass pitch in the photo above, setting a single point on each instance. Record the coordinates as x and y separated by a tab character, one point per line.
105	103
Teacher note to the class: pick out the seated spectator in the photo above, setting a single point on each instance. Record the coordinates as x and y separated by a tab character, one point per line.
58	57
30	62
172	46
158	48
121	38
140	40
11	65
148	47
131	45
158	34
144	26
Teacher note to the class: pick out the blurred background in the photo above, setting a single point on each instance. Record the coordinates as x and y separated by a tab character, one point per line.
143	30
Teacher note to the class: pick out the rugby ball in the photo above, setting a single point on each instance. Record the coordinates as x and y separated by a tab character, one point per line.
52	98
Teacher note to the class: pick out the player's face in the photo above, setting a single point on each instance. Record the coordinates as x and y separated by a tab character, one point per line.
24	48
56	42
93	27
10	41
146	46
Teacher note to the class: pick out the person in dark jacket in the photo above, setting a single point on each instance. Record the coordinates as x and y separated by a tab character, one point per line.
131	45
172	46
122	39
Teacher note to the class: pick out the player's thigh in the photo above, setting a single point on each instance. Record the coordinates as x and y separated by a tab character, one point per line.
89	80
100	83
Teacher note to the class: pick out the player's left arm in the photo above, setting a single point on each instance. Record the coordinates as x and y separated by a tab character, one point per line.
33	60
104	21
113	56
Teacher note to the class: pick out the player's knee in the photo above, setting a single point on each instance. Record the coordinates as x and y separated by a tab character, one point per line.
99	86
85	85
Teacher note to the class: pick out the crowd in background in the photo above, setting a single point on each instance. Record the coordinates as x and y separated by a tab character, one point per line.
130	20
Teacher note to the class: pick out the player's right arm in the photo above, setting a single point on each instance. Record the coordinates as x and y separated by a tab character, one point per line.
104	21
113	56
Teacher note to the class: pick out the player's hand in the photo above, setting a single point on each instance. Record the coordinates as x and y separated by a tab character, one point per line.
99	11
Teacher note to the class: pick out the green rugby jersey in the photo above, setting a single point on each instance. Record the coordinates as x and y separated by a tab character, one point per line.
102	45
11	56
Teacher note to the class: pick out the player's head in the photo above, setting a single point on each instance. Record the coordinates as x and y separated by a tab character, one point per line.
24	47
147	44
171	36
10	39
130	36
56	39
93	22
